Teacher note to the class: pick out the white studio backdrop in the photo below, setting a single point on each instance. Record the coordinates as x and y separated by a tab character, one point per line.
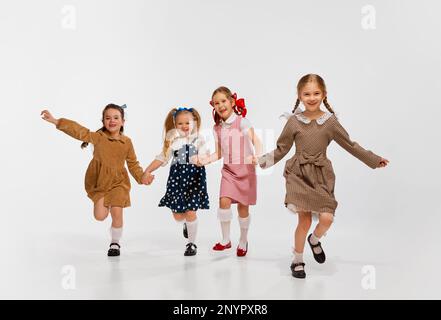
381	61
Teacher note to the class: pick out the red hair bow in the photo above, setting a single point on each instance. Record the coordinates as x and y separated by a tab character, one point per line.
240	107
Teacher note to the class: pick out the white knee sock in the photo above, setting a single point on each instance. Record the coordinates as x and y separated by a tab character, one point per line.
224	216
192	229
244	224
116	234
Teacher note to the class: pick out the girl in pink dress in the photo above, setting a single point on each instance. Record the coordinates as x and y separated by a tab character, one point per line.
235	140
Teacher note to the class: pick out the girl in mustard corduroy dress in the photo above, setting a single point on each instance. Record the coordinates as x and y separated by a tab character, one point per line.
309	175
106	182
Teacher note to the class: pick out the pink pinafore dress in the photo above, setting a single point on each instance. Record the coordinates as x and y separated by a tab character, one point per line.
238	173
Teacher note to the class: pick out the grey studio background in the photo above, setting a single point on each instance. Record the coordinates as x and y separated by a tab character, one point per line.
381	61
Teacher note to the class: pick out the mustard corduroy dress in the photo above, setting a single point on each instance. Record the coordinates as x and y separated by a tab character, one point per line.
106	175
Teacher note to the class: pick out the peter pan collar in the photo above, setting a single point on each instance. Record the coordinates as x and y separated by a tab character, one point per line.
301	117
174	135
230	119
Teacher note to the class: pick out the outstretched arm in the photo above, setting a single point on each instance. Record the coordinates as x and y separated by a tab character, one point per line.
71	128
366	156
284	144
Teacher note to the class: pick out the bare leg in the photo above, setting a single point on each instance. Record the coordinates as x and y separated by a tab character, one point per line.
305	220
325	222
100	211
117	217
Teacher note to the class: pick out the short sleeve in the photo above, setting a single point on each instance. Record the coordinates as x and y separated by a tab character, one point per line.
245	125
164	158
201	145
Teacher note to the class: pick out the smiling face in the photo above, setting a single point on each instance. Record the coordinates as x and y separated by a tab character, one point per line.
223	105
312	96
113	121
184	122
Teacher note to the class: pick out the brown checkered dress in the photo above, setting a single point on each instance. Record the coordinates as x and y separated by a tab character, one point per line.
309	175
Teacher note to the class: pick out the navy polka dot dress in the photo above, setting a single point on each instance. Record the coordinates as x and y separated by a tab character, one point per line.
187	183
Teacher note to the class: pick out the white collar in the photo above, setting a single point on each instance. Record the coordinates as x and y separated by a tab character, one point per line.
174	135
301	117
321	120
230	119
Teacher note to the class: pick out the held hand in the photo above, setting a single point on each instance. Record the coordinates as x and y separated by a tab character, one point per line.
383	163
147	178
46	115
251	160
197	161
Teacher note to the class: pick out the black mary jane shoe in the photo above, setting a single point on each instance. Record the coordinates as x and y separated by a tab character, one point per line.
113	252
191	249
300	274
320	257
184	231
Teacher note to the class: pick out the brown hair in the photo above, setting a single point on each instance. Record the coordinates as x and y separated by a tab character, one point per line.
169	125
227	92
103	128
320	82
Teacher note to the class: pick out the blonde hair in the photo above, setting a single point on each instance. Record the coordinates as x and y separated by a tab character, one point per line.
320	82
169	126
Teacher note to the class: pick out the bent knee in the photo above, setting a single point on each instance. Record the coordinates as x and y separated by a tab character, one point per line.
178	216
327	219
100	216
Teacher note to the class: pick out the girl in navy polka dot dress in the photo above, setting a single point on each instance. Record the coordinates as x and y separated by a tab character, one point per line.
186	185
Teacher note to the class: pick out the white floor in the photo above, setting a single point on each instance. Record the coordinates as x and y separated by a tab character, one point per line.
73	265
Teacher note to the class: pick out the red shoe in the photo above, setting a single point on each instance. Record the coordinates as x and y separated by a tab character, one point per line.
220	247
241	252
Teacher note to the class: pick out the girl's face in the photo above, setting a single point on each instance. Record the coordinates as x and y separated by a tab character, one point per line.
222	105
113	121
184	122
312	96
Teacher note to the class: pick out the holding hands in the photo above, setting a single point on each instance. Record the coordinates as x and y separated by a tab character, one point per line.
147	178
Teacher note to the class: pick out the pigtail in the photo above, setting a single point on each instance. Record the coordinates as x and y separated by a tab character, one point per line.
85	144
169	125
296	105
328	106
197	119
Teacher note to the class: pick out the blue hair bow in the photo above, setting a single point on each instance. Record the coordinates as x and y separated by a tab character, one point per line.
181	109
124	106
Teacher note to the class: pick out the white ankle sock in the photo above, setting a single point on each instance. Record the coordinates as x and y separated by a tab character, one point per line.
192	229
224	216
298	257
116	234
244	224
315	240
